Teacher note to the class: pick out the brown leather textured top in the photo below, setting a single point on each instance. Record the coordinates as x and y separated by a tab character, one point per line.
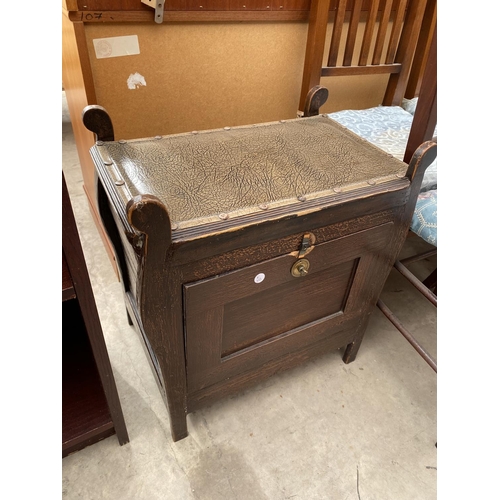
200	175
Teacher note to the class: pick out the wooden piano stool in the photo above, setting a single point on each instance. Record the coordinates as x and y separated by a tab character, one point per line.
244	251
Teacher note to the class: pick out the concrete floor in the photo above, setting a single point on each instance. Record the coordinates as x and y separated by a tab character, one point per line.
324	430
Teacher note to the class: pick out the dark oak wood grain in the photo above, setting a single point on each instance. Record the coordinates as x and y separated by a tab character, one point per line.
216	304
85	414
68	291
91	406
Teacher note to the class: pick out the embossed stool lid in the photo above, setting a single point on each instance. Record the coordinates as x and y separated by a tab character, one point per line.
211	175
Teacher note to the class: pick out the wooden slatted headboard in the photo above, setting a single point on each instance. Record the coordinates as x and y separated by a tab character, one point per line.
384	42
396	37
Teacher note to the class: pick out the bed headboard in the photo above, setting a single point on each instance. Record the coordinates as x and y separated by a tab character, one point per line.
394	37
370	37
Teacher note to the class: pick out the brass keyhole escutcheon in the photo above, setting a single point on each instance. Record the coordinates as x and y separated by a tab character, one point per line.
300	268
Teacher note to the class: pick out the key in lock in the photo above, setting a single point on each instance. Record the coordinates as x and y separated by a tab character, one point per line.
301	266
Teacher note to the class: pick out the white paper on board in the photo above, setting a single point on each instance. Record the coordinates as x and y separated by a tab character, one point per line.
116	46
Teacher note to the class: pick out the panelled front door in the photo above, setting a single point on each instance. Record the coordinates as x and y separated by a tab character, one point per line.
240	320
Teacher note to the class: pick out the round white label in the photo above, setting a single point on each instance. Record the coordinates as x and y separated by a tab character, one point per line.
259	278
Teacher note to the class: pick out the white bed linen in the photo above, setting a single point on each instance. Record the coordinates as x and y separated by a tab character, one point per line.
387	127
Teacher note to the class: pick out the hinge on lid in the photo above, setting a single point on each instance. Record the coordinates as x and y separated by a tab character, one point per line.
158	6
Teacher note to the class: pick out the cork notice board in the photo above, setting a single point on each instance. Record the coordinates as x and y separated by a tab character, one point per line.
197	76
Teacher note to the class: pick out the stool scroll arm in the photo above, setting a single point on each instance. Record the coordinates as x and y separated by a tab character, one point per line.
315	98
159	307
97	120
